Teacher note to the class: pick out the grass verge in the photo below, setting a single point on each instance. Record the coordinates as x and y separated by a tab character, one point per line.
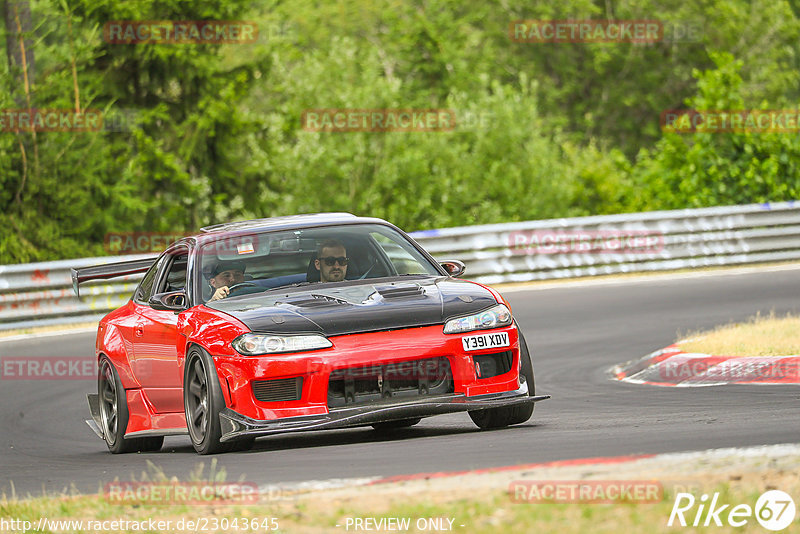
486	513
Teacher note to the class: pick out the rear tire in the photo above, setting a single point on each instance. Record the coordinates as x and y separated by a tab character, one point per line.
392	425
510	415
114	414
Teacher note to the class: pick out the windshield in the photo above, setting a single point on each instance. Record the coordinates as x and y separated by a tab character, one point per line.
241	265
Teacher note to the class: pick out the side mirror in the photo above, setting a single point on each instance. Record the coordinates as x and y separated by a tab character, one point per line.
169	301
454	268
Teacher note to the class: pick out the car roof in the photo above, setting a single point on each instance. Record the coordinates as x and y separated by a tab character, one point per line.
288	222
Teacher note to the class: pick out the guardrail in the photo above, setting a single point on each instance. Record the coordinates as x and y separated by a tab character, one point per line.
41	293
612	244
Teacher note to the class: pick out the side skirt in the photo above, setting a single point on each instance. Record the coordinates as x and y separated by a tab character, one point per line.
95	423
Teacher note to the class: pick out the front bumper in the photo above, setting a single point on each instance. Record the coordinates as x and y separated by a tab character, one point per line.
358	355
235	425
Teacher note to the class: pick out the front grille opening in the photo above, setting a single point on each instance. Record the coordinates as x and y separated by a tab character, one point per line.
283	389
374	383
489	365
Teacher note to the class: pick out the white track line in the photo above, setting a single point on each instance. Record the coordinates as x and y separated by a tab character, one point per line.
639	278
54	333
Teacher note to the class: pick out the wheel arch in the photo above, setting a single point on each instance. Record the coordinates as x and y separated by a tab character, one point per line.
113	348
223	383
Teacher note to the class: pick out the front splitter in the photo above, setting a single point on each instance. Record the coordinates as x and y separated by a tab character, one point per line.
235	425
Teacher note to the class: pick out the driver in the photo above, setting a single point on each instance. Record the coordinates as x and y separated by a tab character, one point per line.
223	275
331	261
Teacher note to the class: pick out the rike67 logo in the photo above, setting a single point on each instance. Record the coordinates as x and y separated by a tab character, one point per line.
774	510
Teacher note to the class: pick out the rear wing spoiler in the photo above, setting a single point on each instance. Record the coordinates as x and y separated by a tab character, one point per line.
108	270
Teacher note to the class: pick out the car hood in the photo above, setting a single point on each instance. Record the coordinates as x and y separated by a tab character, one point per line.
357	306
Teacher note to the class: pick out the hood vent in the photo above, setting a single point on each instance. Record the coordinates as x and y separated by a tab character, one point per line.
399	292
315	301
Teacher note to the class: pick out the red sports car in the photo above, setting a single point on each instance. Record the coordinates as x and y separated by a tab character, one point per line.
297	323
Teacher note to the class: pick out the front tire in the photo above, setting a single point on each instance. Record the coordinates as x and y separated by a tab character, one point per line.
203	402
114	414
510	415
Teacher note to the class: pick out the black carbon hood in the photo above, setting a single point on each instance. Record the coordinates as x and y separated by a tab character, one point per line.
357	306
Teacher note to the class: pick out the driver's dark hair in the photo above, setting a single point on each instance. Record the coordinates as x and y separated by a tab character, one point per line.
329	243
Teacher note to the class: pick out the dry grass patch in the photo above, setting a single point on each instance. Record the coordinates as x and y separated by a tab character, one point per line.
759	336
486	510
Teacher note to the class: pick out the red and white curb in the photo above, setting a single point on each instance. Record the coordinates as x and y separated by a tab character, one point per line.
520	467
673	367
338	483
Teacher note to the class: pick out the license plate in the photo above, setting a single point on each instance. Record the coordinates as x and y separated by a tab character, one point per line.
485	341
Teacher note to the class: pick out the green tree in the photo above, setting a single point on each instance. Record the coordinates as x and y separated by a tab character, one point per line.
710	169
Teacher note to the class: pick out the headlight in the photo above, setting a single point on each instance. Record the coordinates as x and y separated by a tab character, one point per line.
494	317
253	344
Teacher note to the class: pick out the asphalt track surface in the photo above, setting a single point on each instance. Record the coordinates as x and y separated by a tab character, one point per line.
575	334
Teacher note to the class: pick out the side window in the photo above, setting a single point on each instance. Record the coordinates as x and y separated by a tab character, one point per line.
174	277
145	289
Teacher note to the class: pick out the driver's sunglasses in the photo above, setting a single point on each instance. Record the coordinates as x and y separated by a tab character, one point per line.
330	260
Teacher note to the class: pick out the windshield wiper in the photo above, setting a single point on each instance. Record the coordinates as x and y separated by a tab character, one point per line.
296	284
